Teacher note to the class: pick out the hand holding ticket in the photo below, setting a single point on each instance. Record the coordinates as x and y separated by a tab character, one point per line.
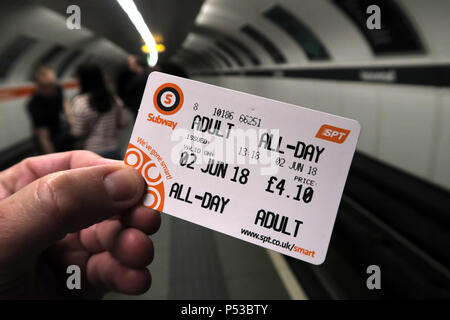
263	171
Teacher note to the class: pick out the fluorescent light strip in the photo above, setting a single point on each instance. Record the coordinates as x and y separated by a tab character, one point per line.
136	18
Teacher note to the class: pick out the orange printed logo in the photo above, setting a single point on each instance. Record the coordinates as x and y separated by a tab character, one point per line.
139	160
168	99
333	134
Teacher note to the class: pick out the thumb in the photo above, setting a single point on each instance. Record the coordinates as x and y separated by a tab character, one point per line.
65	202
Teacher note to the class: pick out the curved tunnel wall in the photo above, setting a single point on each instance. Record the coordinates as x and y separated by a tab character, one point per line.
25	43
404	113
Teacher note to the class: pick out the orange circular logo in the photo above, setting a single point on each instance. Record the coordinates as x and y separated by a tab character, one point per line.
168	98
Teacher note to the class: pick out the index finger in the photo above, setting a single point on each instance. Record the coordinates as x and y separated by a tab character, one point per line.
30	169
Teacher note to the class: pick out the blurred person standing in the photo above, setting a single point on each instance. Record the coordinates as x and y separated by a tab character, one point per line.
96	114
122	80
136	86
46	108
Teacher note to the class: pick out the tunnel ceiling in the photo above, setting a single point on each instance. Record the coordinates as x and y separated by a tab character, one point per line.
170	18
256	33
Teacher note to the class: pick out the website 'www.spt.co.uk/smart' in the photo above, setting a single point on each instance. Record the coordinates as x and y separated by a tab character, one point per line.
282	244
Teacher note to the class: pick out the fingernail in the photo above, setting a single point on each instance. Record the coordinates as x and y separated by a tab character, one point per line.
122	184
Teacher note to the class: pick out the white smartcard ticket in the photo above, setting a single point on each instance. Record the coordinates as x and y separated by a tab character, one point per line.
257	169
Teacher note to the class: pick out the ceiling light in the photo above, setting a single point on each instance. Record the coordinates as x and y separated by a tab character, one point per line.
136	18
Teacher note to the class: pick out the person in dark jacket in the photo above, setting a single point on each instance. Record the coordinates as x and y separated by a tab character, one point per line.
45	108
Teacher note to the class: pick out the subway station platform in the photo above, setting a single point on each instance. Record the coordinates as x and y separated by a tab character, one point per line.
392	77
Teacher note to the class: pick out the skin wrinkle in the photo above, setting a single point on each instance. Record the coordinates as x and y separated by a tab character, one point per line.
45	187
4	185
83	247
51	208
97	240
4	192
98	243
6	228
26	175
28	167
112	237
23	178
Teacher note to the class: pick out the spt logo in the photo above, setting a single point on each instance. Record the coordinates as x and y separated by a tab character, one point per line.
333	134
168	98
